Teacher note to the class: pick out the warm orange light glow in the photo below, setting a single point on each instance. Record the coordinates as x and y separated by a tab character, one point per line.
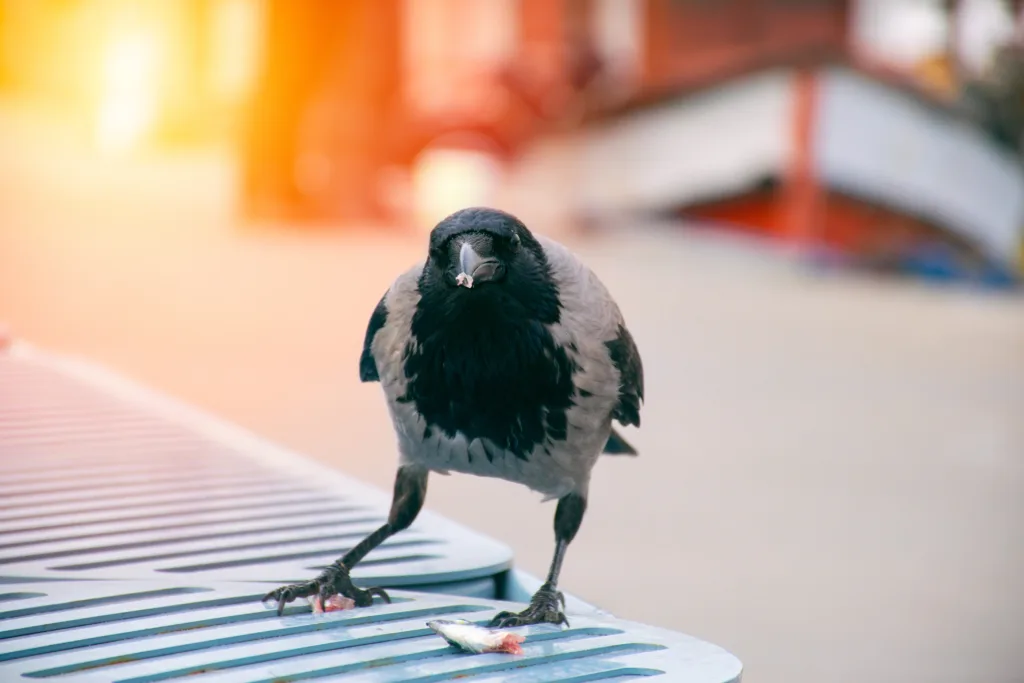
128	103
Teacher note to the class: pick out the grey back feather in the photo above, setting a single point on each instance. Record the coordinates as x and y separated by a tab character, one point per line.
591	318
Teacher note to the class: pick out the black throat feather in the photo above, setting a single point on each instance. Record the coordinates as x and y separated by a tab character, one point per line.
484	364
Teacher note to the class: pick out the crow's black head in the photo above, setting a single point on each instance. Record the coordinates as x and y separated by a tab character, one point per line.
482	257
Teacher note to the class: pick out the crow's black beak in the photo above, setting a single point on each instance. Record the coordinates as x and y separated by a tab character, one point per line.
475	268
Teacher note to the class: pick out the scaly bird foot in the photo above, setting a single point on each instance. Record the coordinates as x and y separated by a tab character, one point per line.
543	609
334	580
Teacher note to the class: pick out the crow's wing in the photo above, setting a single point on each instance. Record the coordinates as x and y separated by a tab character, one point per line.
367	364
626	359
388	332
388	336
593	327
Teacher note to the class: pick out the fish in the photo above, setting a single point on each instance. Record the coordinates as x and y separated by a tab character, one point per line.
477	639
335	603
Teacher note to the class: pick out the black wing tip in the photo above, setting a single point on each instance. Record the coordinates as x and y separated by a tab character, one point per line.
617	445
367	364
368	369
626	359
628	411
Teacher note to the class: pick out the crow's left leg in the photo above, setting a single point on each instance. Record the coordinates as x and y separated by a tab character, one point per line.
410	490
544	604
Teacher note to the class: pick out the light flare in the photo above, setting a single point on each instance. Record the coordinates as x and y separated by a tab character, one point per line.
128	103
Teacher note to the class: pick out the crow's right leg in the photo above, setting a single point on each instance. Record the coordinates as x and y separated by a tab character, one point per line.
410	490
544	605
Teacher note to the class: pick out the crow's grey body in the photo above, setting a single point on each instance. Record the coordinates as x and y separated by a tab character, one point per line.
589	321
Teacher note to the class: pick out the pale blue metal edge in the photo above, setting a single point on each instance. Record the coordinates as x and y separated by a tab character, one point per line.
144	631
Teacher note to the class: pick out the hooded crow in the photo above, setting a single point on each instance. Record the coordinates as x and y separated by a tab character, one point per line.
502	355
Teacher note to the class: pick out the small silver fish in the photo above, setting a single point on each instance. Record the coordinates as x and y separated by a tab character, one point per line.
464	280
473	638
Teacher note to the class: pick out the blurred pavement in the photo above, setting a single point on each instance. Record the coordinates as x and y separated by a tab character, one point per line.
831	479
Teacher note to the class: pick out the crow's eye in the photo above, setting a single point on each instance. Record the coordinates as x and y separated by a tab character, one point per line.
439	252
515	241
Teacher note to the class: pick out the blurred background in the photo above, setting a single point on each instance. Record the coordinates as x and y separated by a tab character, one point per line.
810	211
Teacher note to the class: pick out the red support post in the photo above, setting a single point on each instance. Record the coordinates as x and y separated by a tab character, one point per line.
802	198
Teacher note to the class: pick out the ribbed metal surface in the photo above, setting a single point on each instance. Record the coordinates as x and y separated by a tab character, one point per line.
142	632
180	522
101	479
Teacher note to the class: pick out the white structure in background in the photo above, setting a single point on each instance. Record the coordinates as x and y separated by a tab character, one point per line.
883	145
873	141
714	143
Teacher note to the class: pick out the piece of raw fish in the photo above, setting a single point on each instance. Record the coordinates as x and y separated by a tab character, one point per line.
473	638
335	603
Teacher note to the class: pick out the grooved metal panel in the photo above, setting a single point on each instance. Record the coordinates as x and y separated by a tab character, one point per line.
144	631
101	479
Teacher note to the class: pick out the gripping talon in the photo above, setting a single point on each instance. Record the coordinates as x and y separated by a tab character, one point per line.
333	581
543	609
377	590
323	595
284	597
500	618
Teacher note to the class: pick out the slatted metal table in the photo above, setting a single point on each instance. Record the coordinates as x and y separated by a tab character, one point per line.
142	632
102	479
137	535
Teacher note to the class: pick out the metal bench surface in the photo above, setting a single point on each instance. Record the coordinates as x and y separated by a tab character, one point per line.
102	479
137	536
144	631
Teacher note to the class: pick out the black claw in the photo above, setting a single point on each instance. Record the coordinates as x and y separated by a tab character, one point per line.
500	618
323	595
283	599
334	580
543	609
